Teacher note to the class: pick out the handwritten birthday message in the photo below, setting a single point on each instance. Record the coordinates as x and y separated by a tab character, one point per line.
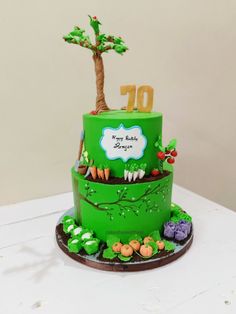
123	143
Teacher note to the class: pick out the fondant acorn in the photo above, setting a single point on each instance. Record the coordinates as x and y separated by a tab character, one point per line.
147	239
146	250
135	245
126	250
116	247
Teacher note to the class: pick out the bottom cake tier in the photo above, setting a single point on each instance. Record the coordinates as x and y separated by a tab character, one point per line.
154	250
122	209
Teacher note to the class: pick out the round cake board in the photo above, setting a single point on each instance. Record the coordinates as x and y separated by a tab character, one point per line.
95	262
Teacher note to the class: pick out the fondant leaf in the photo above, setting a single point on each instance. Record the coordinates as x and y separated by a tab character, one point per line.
101	47
172	144
68	227
108	253
169	246
111	239
94	23
91	246
154	247
158	142
135	237
77	232
77	32
102	38
178	214
74	245
143	166
68	38
86	235
68	219
120	48
155	235
118	40
124	258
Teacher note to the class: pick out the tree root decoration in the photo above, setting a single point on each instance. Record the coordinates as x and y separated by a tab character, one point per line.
98	111
125	204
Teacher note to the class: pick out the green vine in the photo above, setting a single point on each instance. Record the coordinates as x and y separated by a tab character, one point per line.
128	204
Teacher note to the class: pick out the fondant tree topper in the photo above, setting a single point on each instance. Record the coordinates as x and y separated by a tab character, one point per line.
103	43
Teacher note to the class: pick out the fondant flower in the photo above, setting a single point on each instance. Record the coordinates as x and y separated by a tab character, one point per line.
169	229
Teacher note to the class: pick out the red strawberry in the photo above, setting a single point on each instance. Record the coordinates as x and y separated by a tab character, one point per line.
93	112
94	17
170	160
174	153
155	172
161	155
167	152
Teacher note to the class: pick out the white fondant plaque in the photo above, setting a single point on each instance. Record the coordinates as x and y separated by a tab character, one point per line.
123	143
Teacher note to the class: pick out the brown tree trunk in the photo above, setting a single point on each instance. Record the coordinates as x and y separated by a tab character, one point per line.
99	70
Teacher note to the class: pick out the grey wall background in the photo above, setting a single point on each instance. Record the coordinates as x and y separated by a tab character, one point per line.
185	49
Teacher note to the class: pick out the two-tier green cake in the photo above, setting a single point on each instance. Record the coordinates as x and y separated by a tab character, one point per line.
122	179
119	206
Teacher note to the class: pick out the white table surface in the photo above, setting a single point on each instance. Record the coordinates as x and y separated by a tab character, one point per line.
36	277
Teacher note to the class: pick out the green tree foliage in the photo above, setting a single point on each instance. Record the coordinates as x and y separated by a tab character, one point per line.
103	42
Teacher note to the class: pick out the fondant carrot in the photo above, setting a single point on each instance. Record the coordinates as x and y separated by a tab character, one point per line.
100	173
107	173
93	170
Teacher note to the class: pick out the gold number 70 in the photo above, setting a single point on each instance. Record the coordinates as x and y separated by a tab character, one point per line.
131	90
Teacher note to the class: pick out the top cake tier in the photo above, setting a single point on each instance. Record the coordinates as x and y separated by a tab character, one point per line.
117	139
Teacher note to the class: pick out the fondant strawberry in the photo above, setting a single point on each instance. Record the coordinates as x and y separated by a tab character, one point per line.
93	112
161	155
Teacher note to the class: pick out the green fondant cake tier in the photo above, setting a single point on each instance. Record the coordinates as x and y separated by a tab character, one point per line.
106	146
122	209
